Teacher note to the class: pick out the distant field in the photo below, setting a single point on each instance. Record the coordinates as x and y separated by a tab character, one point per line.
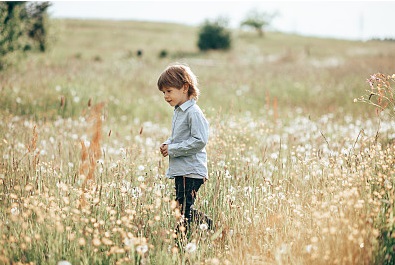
299	172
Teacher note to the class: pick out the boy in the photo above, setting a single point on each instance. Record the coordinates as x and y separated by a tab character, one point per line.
186	146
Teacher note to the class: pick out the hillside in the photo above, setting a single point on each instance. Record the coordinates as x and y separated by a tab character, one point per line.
98	59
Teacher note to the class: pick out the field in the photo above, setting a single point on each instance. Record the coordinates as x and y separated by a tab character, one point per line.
299	172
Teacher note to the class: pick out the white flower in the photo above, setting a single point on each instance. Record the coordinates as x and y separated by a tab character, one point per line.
309	248
227	174
141	167
247	191
190	247
136	192
129	241
141	178
142	249
14	211
203	227
63	262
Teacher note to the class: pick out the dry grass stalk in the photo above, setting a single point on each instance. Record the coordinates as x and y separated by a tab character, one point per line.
31	148
90	155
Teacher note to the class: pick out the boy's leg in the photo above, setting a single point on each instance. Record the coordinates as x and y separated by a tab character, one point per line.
180	193
186	191
191	188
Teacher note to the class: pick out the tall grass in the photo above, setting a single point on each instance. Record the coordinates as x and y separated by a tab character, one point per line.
299	174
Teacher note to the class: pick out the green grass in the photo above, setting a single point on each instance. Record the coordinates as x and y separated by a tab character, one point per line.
299	173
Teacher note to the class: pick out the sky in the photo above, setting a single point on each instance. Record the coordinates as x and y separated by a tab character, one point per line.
355	20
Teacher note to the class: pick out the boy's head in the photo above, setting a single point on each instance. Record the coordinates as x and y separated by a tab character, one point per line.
179	76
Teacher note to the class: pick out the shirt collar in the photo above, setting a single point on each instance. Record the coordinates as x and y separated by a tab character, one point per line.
186	104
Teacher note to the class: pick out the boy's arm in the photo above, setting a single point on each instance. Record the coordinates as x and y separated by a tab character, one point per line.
168	141
196	142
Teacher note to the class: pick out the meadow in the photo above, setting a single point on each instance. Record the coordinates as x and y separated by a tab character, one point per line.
300	173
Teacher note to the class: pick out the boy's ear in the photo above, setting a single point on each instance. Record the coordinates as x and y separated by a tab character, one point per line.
185	87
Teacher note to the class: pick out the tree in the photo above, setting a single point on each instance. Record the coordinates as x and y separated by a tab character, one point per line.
258	20
23	28
214	35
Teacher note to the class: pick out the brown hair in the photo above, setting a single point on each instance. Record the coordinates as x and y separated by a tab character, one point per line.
177	75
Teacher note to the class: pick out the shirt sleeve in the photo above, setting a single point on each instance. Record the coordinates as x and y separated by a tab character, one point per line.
168	141
196	142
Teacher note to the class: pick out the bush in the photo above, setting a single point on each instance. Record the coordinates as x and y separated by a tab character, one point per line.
24	28
214	36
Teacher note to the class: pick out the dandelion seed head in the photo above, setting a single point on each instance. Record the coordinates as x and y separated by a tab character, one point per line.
203	227
63	262
141	249
190	247
141	178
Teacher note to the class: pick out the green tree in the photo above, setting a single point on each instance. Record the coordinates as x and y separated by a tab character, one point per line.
258	20
23	27
214	35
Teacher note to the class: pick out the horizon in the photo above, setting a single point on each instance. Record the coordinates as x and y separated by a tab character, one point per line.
355	20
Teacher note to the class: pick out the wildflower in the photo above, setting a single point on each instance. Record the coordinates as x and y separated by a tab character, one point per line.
141	167
141	178
190	247
203	227
141	249
81	241
14	211
63	262
247	191
136	192
309	248
96	242
129	241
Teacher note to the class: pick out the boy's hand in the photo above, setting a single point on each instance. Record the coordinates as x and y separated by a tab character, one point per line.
164	150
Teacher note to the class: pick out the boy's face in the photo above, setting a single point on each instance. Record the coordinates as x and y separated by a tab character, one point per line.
174	96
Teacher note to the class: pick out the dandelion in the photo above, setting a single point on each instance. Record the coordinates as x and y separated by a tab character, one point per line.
141	249
136	192
129	241
96	242
63	262
203	227
141	178
190	247
81	241
309	248
228	175
247	191
14	211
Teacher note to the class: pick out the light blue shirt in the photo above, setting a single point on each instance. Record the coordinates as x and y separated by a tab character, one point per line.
186	146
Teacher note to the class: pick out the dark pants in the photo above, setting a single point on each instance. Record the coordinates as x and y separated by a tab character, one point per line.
186	190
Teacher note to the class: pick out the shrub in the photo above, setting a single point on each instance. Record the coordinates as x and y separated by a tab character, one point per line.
163	54
214	36
24	28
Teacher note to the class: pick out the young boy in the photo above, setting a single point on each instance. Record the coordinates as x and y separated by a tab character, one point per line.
186	146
